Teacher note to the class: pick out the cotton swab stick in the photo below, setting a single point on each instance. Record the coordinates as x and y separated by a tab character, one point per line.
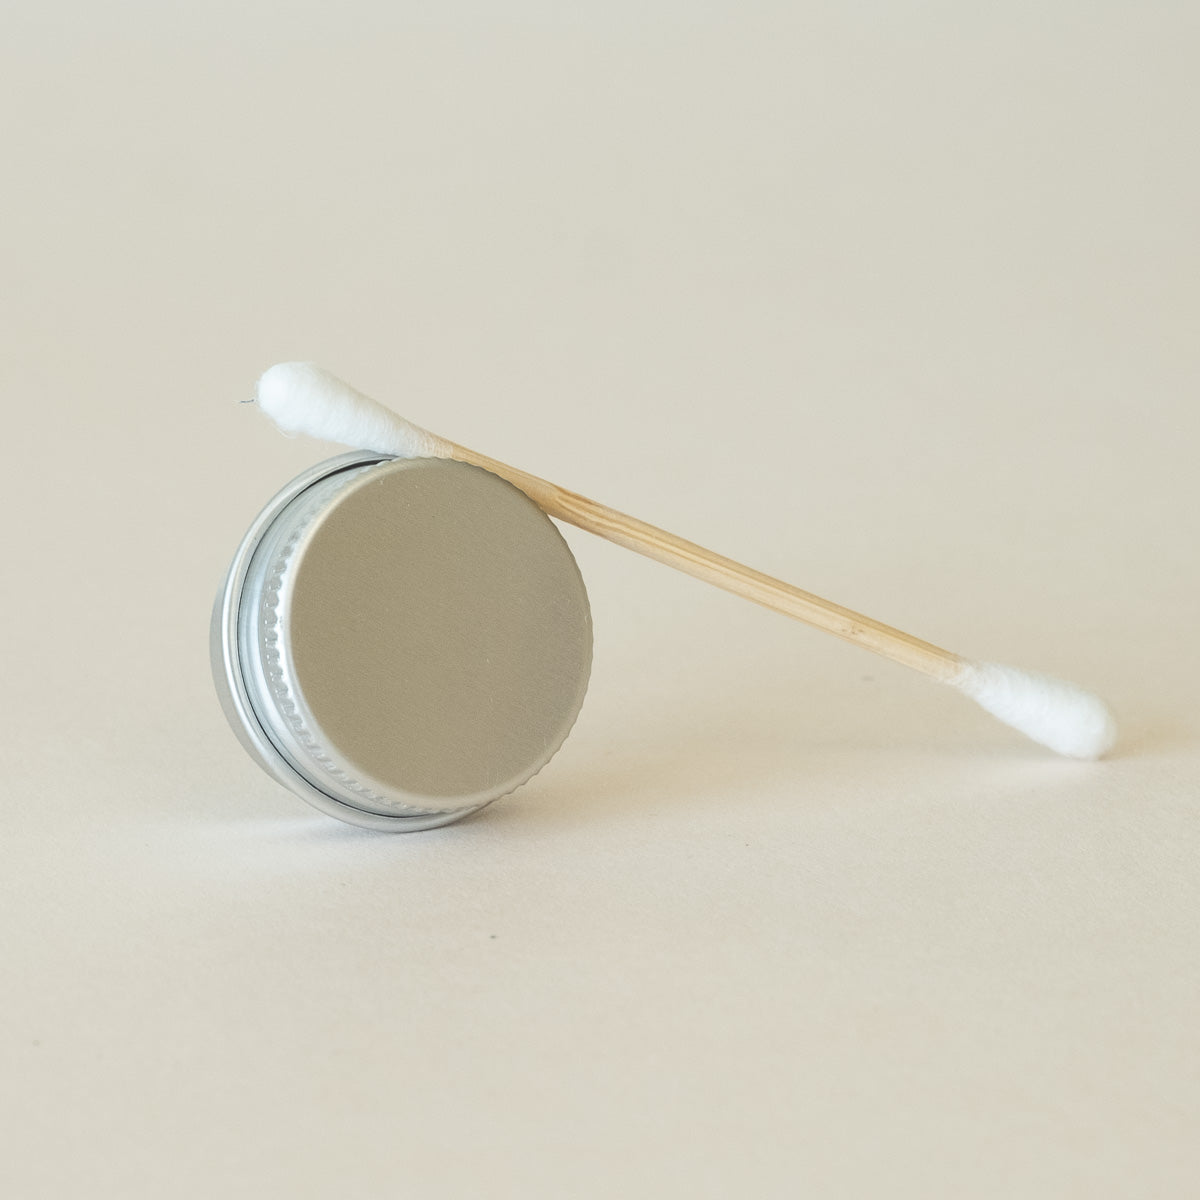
303	398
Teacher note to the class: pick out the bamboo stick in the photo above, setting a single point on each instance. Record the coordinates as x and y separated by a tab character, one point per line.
722	572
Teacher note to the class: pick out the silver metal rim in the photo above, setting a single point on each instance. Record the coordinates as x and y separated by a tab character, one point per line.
231	683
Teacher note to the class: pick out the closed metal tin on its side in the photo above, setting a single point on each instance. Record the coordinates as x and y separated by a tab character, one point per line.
338	538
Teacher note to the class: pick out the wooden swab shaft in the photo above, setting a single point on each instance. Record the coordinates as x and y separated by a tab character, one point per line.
723	572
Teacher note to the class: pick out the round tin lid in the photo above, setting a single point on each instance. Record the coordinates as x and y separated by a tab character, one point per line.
403	641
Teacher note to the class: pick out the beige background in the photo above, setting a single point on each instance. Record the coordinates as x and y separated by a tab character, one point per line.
898	301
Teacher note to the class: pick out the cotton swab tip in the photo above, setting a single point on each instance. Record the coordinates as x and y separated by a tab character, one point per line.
1051	711
300	397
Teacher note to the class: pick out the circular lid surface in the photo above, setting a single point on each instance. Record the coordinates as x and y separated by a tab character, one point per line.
422	637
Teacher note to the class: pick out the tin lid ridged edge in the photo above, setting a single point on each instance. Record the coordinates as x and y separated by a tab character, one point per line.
249	725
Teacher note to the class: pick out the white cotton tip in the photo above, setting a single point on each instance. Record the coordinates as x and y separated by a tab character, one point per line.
302	398
1050	711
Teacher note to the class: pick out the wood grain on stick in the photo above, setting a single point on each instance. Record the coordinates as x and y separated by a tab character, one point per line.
723	572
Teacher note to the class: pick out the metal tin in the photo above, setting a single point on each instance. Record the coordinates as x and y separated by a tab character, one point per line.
401	641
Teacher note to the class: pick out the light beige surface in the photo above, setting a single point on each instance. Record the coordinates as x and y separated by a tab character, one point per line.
780	919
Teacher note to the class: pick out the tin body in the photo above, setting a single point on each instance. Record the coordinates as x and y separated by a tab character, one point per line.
401	642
